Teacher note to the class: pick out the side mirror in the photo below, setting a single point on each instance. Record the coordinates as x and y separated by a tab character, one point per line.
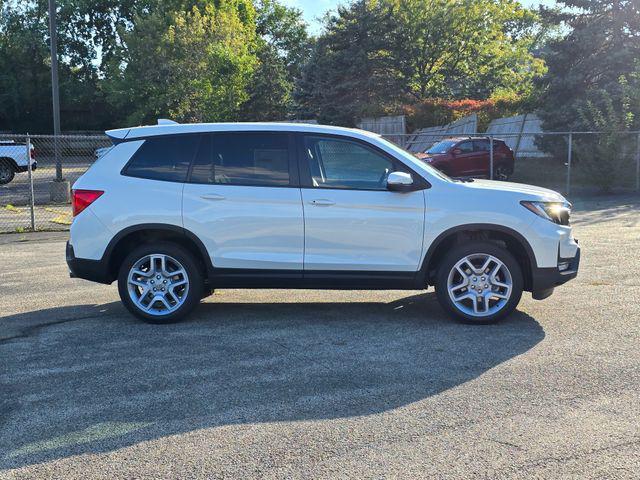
456	151
399	182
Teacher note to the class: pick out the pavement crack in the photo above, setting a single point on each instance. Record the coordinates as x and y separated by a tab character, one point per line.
506	444
33	329
567	458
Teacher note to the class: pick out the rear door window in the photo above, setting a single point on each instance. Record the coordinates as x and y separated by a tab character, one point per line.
465	147
164	158
481	145
252	159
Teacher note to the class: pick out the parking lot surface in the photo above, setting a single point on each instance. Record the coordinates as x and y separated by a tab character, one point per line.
323	384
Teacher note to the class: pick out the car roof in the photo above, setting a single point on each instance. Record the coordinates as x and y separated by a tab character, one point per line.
133	133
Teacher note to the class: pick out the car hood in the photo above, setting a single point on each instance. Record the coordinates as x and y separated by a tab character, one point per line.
529	192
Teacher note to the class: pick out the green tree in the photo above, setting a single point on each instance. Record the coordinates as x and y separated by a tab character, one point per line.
282	47
349	72
375	54
127	61
602	157
269	93
463	48
187	65
25	75
602	45
284	30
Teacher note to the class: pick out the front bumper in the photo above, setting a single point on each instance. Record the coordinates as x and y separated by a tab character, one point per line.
544	280
93	270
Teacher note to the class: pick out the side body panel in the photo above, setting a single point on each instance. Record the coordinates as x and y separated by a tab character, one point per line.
247	227
363	230
16	152
494	203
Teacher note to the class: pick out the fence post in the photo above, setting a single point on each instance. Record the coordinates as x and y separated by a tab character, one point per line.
638	164
569	154
491	157
31	194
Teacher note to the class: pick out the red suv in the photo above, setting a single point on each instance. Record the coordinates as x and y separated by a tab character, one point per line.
469	157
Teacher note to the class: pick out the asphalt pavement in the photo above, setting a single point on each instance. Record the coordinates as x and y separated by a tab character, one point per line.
323	384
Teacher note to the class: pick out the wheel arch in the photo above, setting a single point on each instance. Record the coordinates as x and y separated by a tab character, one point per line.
515	243
130	237
11	161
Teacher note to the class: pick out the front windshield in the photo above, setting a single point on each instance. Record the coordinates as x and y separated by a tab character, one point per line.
441	147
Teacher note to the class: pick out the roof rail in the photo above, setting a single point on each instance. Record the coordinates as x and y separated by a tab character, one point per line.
166	121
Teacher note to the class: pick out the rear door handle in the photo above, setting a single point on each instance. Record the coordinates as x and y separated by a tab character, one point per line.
212	196
323	202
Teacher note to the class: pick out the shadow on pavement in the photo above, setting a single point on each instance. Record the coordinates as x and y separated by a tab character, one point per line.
96	380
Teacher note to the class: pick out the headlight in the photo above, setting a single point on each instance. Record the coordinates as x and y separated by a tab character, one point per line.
556	212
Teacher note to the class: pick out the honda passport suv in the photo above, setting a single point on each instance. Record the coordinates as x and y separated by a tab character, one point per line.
173	212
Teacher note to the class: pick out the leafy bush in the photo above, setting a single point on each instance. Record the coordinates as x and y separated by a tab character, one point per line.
601	156
438	111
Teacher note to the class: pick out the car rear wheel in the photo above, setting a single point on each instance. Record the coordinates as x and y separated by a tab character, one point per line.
7	172
501	172
480	282
160	283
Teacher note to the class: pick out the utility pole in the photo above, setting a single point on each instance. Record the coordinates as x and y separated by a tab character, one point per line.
59	189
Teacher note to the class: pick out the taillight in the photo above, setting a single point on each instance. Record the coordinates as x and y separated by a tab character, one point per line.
83	198
32	153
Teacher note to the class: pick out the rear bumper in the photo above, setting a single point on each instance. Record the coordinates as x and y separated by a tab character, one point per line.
24	168
93	270
544	280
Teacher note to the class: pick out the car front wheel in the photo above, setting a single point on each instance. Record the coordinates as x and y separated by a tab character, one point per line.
160	283
479	282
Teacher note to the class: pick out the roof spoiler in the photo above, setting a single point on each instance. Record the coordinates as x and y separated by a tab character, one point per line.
120	134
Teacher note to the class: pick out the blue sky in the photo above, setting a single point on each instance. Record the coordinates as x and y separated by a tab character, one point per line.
314	9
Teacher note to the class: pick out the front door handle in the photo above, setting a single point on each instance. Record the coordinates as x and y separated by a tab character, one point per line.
322	202
212	196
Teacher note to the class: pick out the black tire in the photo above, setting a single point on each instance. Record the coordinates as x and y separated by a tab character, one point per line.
478	247
188	262
502	173
7	172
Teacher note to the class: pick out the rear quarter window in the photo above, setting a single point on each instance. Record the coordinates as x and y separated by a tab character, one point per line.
164	158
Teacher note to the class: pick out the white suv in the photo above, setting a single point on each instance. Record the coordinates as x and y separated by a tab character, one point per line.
173	212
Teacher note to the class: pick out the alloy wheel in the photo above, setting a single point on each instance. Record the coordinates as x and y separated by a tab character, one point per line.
158	284
479	285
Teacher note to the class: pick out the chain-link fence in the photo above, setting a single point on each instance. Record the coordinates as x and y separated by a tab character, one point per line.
573	163
33	197
35	175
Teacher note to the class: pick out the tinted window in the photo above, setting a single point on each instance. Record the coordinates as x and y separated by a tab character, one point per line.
441	147
481	145
243	159
164	158
337	163
466	147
